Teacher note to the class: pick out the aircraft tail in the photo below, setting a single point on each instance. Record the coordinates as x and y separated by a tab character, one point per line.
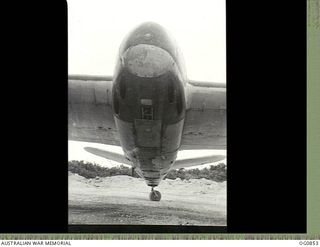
179	163
108	155
197	161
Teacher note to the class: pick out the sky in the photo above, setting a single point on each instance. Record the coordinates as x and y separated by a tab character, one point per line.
97	27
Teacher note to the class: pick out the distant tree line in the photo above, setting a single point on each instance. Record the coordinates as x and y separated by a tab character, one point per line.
216	173
91	170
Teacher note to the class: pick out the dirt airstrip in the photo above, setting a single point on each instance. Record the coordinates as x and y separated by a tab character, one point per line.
125	200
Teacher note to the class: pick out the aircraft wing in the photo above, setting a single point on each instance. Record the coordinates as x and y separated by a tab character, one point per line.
205	122
90	117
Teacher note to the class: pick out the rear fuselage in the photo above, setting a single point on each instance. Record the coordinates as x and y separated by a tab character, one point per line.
149	100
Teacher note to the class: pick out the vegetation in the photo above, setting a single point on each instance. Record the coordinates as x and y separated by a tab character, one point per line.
216	173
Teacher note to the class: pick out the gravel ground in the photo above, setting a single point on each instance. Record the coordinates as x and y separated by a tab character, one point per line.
125	200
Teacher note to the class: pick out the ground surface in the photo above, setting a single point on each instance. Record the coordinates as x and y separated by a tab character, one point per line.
125	200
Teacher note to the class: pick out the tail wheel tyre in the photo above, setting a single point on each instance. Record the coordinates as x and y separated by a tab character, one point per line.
155	195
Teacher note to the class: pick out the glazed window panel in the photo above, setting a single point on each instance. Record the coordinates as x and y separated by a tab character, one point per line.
147	112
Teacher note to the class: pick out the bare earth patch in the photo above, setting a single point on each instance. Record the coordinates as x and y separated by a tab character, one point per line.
125	200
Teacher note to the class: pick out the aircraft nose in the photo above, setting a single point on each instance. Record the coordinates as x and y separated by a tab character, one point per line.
146	60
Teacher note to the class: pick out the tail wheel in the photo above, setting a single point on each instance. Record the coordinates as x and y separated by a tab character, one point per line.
155	195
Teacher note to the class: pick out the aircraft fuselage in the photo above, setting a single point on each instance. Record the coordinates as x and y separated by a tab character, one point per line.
149	100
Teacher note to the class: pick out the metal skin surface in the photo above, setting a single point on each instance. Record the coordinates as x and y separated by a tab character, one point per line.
148	107
148	101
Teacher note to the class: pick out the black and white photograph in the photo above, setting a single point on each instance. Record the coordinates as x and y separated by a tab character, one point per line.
147	112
